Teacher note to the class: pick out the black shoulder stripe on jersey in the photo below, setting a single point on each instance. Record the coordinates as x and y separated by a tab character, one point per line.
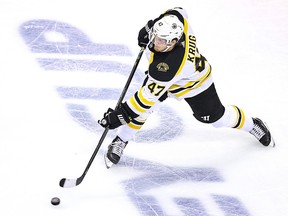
171	62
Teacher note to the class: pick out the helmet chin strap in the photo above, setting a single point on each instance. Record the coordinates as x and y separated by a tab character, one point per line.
167	47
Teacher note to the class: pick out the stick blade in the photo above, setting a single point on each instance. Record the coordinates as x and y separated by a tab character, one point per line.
68	183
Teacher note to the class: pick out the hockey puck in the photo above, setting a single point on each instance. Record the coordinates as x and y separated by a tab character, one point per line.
55	201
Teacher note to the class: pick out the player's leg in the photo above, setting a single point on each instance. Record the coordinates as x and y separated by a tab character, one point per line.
124	134
208	108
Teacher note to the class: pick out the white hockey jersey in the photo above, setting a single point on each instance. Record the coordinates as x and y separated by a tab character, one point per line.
182	72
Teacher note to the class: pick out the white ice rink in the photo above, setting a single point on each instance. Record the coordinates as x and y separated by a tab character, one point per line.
63	63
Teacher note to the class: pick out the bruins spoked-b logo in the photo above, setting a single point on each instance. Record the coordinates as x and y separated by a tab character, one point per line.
174	26
163	67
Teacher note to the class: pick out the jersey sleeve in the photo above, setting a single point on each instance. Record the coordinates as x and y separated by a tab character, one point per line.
146	97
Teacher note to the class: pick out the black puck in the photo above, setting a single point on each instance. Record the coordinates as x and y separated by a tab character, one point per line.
55	201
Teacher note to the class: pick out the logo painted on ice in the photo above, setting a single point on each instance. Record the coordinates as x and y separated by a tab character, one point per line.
146	194
69	40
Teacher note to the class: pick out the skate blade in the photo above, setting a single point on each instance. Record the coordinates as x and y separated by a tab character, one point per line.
272	142
108	163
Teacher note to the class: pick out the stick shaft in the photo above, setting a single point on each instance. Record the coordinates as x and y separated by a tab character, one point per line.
72	182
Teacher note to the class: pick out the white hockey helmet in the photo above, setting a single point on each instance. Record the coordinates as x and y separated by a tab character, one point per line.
168	28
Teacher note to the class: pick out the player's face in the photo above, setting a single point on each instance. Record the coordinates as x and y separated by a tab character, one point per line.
159	44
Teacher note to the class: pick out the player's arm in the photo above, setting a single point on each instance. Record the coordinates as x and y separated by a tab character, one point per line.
136	105
146	97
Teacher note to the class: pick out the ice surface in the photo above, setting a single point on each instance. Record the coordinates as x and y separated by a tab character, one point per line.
65	62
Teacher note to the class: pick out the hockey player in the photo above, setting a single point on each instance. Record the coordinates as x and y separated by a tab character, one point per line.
176	69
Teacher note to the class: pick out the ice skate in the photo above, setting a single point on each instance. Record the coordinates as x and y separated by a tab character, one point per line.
262	133
115	150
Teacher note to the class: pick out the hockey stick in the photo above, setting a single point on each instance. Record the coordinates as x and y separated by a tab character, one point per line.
67	183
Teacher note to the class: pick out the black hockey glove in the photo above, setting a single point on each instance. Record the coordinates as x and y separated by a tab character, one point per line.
143	36
114	118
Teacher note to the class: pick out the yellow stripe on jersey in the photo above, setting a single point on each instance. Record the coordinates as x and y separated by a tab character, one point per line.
204	77
240	120
139	102
136	124
186	46
136	105
179	91
143	99
151	57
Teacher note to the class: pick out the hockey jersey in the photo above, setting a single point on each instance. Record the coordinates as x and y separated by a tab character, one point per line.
182	72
